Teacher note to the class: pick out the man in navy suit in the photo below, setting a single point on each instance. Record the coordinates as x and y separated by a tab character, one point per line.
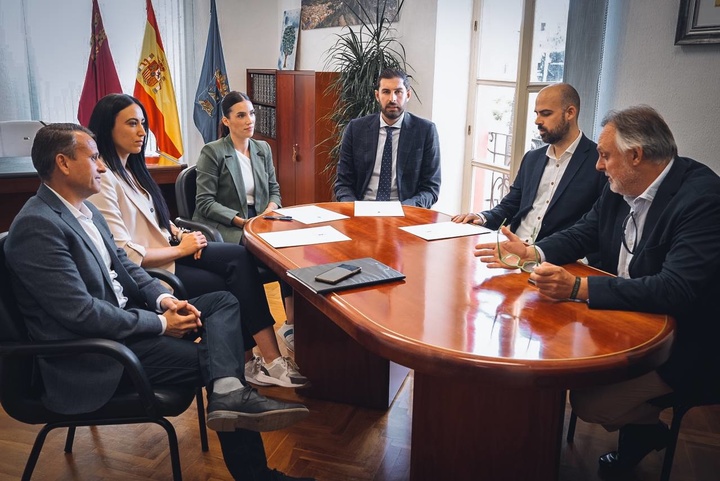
557	183
409	144
657	227
71	281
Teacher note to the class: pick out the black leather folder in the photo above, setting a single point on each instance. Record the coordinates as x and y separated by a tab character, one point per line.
373	272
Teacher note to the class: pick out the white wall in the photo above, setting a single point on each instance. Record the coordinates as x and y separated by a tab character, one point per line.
451	89
643	66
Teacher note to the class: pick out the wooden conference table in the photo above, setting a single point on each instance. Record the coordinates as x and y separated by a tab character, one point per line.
492	357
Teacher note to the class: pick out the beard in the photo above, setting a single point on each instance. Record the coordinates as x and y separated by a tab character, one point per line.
392	114
557	134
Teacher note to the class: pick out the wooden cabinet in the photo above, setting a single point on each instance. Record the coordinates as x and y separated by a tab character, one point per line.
292	109
19	181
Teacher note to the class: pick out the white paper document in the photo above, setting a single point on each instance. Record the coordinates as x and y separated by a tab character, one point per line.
374	208
310	214
446	230
303	237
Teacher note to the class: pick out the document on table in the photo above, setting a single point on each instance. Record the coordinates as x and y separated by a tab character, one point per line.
310	214
445	230
374	208
303	237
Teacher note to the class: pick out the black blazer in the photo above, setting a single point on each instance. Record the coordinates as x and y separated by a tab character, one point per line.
675	270
577	191
418	160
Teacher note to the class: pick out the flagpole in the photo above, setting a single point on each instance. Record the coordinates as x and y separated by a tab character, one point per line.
166	156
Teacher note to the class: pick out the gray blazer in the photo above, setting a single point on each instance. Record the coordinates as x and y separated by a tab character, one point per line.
220	188
64	292
418	160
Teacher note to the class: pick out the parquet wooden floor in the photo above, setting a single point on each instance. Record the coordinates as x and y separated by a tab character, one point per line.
335	443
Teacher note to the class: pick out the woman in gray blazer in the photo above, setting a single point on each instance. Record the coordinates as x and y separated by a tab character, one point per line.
236	182
139	220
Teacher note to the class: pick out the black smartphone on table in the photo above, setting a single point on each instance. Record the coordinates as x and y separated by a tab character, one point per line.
338	273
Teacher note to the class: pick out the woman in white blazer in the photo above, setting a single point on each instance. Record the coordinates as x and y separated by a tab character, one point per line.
139	219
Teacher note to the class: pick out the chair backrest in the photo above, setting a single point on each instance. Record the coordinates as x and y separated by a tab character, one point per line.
16	137
12	325
185	191
16	373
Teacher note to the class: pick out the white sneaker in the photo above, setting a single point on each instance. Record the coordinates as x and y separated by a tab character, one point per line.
252	369
282	372
286	333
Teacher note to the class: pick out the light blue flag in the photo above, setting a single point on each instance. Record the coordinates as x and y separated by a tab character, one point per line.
213	85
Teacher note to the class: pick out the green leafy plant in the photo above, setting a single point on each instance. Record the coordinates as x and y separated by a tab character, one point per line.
359	55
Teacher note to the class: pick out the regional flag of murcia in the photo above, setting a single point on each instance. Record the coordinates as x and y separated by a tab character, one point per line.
154	89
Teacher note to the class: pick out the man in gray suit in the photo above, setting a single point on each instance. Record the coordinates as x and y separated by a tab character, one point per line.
72	282
391	155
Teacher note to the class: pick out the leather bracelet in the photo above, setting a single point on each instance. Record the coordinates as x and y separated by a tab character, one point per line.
575	289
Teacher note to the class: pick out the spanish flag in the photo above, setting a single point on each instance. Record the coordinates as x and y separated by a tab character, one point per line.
154	89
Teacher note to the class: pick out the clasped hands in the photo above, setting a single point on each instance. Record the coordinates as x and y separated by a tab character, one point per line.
551	280
181	316
191	242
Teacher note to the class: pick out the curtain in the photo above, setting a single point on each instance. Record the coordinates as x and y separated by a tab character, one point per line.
587	22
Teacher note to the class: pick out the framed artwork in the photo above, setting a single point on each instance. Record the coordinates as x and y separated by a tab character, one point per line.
341	13
698	22
289	39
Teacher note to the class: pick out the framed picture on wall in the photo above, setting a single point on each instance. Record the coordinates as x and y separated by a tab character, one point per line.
289	40
698	22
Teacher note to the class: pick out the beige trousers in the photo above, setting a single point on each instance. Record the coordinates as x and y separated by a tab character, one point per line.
615	405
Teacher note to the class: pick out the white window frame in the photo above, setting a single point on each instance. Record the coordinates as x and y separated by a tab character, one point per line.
523	89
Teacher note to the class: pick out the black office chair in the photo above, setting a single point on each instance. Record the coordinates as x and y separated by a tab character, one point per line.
680	405
20	390
185	193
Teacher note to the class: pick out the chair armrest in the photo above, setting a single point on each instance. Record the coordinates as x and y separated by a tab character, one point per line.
211	233
170	279
108	347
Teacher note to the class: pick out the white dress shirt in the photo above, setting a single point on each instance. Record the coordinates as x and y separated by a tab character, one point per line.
554	170
639	207
372	188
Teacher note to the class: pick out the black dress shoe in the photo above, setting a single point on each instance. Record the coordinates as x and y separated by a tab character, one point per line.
247	409
635	442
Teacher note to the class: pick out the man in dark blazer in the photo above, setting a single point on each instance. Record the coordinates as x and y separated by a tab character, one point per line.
71	281
657	227
557	183
413	161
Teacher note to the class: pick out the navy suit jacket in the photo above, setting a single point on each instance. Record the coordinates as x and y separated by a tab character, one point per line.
418	160
675	269
65	292
575	194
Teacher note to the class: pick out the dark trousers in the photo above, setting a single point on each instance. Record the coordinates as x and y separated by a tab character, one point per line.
220	353
229	267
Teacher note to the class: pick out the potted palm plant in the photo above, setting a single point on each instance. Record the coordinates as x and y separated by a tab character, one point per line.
359	55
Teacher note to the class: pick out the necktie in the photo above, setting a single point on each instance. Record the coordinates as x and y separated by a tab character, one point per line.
383	192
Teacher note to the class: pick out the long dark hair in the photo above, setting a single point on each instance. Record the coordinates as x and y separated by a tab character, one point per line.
102	122
226	105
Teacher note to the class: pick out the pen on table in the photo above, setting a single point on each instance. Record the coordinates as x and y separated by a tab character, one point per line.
281	217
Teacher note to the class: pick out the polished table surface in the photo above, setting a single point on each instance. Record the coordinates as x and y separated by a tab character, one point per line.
484	337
